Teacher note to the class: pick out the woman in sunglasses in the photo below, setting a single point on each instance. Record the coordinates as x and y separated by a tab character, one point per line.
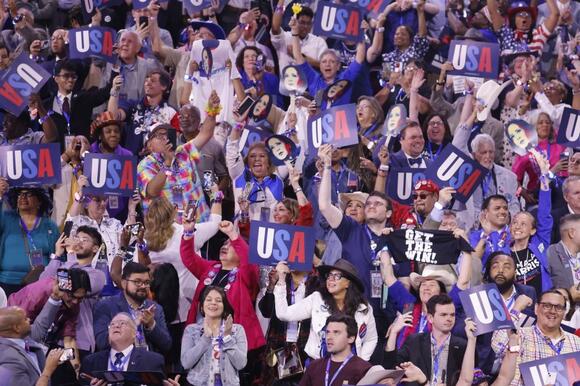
342	291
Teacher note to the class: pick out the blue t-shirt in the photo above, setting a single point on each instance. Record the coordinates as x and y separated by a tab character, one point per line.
316	81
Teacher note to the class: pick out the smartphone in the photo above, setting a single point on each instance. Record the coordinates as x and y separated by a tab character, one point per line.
209	178
564	155
144	21
67	228
191	209
78	146
408	308
318	97
63	278
44	44
245	105
135	228
265	214
67	355
172	138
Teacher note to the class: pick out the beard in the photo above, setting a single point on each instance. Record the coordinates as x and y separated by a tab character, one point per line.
136	296
505	285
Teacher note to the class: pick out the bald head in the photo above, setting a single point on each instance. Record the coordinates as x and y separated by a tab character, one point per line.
122	331
14	323
129	46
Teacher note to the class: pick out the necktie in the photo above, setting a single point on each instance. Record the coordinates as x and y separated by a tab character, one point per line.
415	161
119	361
66	107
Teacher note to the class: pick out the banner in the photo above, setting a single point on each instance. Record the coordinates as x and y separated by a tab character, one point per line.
430	247
196	6
140	4
485	306
400	182
473	58
31	165
560	370
89	7
456	169
92	42
373	8
110	174
271	243
337	126
569	131
250	136
22	78
341	22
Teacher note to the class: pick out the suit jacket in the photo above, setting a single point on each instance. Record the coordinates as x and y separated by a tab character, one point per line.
81	108
557	214
417	349
559	266
140	360
158	339
399	159
16	367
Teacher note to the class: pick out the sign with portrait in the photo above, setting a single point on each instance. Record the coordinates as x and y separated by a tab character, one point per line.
293	81
31	165
485	306
281	149
521	136
396	118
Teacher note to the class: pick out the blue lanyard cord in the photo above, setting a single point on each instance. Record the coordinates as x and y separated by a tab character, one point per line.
437	357
422	323
430	149
557	348
29	231
372	243
327	375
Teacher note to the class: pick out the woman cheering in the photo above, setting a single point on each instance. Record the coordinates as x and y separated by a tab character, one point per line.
214	350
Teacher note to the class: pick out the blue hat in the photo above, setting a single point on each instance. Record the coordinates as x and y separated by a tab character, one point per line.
215	29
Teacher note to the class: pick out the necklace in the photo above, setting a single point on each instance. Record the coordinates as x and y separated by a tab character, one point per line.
521	263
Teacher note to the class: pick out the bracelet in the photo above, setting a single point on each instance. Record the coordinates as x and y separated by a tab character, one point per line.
297	190
440	82
327	167
188	78
217	197
143	247
384	168
381	29
371	145
467	92
279	9
188	233
213	111
114	93
41	120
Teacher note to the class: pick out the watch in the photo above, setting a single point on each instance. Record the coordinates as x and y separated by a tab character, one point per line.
78	197
381	29
514	349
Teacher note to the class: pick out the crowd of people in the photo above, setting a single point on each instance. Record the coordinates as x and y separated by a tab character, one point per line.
216	103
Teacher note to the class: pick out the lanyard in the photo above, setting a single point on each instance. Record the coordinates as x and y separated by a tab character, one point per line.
511	300
422	323
326	375
486	182
430	149
372	244
369	131
437	357
29	231
574	262
500	242
557	348
399	98
338	179
121	365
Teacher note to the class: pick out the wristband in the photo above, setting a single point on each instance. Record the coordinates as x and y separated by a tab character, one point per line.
327	167
279	9
213	111
438	205
188	78
217	197
440	82
143	247
78	197
381	29
114	93
384	168
371	145
296	191
41	120
188	233
467	92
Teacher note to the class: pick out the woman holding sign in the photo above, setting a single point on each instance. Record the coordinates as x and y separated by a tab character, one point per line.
343	291
27	236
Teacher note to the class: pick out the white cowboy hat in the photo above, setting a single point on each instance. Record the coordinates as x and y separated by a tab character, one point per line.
441	273
377	373
488	94
345	198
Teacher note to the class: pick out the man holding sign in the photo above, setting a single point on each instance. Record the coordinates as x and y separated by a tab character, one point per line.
545	339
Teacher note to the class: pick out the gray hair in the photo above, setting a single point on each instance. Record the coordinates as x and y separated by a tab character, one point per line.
569	180
129	319
331	52
569	221
480	139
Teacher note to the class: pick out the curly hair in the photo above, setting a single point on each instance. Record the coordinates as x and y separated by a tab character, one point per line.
352	301
159	223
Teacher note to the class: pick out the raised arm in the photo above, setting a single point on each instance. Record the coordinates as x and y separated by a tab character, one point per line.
553	16
294	178
383	172
416	83
466	375
331	213
387	271
296	50
377	46
421	18
496	18
465	270
277	18
207	128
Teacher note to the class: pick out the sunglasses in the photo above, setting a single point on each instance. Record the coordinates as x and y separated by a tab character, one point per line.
422	196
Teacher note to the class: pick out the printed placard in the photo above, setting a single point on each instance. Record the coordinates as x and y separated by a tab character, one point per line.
271	243
92	42
22	78
569	131
140	4
557	370
336	126
472	58
373	8
89	7
31	165
110	174
251	135
400	182
456	169
426	246
485	306
341	22
196	6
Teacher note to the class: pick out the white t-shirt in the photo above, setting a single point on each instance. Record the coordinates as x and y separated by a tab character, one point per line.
312	46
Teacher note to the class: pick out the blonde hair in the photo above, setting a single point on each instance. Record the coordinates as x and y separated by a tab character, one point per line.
159	223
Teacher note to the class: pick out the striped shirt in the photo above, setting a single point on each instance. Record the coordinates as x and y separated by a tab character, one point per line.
513	41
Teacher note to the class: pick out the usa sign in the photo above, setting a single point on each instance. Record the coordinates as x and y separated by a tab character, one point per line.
400	183
31	165
336	126
372	7
92	41
561	370
456	169
89	7
110	174
271	243
569	132
341	22
474	58
486	307
22	78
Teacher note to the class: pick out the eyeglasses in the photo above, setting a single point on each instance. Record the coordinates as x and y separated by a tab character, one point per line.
436	123
139	283
575	161
26	194
523	14
550	307
422	196
374	203
68	76
120	323
334	276
84	239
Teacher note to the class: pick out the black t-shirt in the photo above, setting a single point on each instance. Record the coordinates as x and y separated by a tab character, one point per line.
221	278
528	269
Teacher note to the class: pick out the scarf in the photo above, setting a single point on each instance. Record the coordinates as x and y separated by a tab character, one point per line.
415	329
271	182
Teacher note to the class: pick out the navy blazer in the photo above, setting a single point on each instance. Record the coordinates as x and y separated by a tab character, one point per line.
140	360
105	310
417	349
399	159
